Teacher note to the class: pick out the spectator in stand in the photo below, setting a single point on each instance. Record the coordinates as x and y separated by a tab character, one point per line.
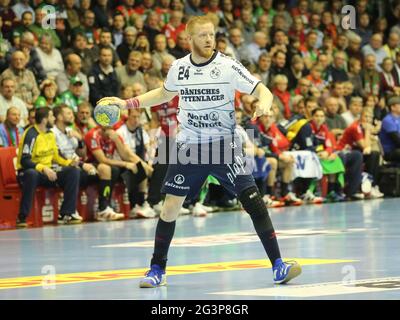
83	120
142	43
237	44
127	8
88	28
101	12
118	29
358	137
370	77
146	65
10	130
280	90
375	48
315	25
8	100
390	132
152	27
127	44
192	8
73	96
182	46
295	72
165	66
9	18
315	77
363	29
337	91
279	64
247	24
130	73
38	30
309	50
80	48
26	87
103	80
174	27
297	30
50	57
354	48
355	77
36	155
389	84
48	95
335	122
73	19
73	67
263	68
160	51
396	69
21	7
354	112
27	46
106	42
137	141
337	71
257	46
392	47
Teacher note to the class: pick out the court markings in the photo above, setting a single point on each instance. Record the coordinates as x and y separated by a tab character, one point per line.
234	238
321	289
111	275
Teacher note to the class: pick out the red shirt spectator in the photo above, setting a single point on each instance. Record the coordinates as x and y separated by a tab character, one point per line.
279	141
167	116
324	136
171	32
351	136
96	140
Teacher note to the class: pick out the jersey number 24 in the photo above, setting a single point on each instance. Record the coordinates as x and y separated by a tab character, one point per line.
183	73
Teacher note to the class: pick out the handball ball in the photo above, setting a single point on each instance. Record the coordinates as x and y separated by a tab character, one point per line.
106	115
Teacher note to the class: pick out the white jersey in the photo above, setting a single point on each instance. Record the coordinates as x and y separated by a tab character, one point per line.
206	96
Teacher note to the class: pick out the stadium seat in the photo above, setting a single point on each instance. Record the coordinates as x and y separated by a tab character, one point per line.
10	193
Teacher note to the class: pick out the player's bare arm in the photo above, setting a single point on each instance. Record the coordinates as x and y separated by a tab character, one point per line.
149	99
265	97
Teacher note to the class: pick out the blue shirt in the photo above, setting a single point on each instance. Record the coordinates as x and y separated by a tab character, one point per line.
389	124
10	138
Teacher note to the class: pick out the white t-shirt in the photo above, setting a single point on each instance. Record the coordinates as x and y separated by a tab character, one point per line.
130	139
66	145
206	96
14	102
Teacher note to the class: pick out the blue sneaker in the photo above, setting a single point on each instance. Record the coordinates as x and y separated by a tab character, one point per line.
285	271
155	277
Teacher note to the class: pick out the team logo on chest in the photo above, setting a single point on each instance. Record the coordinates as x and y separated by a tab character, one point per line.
215	73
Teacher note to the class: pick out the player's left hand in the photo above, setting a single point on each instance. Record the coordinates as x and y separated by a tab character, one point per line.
260	111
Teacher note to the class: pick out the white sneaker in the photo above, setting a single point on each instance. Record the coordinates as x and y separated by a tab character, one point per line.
184	211
198	210
376	193
108	214
310	197
358	196
270	203
206	208
77	216
158	208
144	211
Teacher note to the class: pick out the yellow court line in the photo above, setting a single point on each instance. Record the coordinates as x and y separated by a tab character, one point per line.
109	275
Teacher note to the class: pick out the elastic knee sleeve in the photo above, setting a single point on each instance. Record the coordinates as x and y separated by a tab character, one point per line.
256	208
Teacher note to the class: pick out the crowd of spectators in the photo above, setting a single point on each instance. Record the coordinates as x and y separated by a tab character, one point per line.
336	90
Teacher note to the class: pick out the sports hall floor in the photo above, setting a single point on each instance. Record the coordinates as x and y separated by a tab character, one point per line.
348	251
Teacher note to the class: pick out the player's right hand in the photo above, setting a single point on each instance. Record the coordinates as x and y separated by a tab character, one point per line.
112	100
